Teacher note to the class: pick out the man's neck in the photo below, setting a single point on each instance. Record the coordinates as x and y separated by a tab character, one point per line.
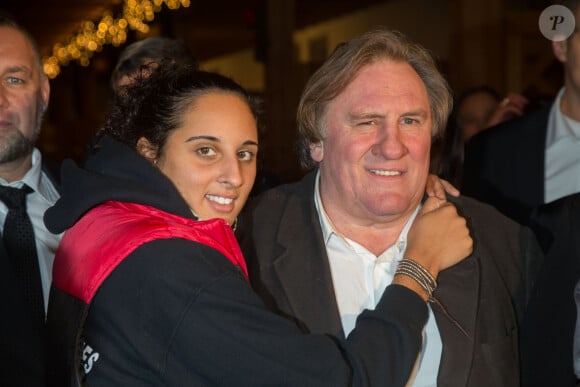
375	237
15	170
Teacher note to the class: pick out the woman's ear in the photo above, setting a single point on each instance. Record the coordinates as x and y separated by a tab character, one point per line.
147	150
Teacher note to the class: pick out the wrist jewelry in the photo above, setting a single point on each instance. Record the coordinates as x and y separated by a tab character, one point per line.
419	274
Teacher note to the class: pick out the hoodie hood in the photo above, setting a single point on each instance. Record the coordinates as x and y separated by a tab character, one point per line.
114	172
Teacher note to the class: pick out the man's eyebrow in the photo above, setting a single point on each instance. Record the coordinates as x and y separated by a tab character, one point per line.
371	115
18	69
420	112
364	115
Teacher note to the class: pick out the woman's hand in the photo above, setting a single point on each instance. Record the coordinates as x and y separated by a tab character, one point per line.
437	187
439	237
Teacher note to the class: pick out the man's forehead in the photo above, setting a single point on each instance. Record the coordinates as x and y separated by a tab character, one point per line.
16	52
12	35
387	77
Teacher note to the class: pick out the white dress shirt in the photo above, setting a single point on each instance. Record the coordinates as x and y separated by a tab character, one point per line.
359	279
562	170
37	202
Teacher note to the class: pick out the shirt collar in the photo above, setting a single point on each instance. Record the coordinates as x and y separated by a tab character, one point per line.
560	126
32	177
325	223
328	228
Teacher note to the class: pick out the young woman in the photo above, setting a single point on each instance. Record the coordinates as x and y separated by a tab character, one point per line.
150	287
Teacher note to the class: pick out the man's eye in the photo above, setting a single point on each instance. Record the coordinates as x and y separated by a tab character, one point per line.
409	121
14	80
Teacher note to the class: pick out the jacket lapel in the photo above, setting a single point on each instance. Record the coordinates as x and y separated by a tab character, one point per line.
458	294
531	158
311	294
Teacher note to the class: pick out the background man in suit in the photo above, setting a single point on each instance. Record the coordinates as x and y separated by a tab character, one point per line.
534	159
529	168
24	95
321	250
547	332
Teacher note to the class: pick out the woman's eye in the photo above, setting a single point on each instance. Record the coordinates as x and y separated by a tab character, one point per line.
205	151
245	155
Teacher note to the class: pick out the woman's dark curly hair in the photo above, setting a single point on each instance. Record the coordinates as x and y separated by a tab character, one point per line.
155	104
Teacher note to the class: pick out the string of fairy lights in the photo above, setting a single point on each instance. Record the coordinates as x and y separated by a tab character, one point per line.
92	36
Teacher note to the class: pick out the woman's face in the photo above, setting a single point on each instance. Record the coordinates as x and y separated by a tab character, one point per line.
211	158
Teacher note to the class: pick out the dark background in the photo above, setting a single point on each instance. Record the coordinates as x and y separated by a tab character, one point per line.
494	42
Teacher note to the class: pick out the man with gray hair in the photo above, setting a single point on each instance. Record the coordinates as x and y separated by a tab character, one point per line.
323	249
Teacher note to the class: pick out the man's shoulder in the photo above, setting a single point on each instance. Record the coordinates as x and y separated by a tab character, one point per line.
561	216
498	241
51	169
299	191
480	213
532	123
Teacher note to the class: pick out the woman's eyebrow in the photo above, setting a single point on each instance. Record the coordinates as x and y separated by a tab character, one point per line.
209	138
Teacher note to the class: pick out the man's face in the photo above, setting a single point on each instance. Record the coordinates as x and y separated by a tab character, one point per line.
374	160
23	95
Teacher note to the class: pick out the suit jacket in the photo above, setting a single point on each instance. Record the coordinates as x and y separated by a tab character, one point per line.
504	165
21	341
22	344
282	240
547	332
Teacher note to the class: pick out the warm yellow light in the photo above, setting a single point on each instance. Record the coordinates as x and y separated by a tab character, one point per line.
92	45
109	30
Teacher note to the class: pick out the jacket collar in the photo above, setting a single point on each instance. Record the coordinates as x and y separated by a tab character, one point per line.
457	290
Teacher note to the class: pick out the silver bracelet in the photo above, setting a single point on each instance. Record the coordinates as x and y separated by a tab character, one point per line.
419	274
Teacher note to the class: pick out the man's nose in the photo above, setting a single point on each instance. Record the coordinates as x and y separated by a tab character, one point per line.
388	143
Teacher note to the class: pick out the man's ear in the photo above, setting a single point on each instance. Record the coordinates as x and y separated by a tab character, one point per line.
147	150
44	92
317	151
560	49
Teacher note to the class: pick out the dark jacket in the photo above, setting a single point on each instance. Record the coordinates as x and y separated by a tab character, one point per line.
175	312
22	346
547	332
504	165
282	240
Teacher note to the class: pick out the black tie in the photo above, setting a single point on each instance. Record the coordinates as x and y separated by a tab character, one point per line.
18	236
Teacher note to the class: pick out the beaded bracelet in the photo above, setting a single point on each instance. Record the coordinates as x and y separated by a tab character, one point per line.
419	274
